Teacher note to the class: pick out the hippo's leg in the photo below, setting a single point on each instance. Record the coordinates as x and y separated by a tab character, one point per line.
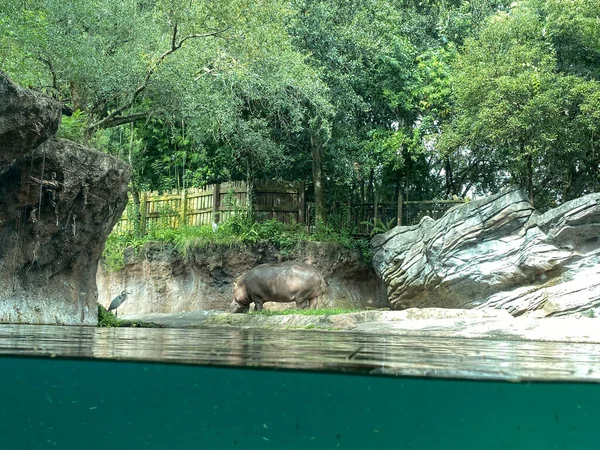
258	304
302	304
312	303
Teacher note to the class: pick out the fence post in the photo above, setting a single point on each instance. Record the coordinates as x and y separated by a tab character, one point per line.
301	204
399	220
349	213
143	211
183	208
216	201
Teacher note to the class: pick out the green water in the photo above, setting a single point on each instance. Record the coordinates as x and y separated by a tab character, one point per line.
79	404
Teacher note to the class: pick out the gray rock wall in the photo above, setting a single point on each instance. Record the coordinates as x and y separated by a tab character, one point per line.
58	203
496	252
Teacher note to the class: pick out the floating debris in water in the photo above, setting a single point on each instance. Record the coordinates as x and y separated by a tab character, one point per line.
355	352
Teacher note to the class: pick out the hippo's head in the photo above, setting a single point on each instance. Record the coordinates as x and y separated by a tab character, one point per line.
240	293
241	302
235	307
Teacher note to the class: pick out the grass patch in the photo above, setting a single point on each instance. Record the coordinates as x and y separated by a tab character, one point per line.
106	319
305	312
312	326
236	231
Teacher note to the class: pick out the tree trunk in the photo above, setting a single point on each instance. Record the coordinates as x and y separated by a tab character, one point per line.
399	200
449	178
249	193
362	191
134	190
316	144
371	186
566	190
136	211
530	180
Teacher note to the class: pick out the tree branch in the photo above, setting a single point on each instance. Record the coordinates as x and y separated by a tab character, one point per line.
113	118
116	121
52	71
462	174
203	35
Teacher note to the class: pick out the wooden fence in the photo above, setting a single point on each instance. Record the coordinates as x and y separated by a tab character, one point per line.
272	200
360	217
217	202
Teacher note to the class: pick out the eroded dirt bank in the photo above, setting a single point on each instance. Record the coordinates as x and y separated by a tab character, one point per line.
161	280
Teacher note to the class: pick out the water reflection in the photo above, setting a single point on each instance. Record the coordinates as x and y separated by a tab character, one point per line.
392	355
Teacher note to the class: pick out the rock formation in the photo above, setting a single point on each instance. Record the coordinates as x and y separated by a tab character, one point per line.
497	252
58	203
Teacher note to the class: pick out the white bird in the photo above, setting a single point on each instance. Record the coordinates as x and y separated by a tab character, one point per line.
215	227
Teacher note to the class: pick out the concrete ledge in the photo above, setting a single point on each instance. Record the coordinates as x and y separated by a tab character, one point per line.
476	324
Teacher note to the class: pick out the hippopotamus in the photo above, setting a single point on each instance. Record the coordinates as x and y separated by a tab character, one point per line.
279	282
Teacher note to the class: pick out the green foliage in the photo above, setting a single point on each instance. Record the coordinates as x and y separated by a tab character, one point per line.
237	230
113	255
517	110
367	64
206	83
427	99
73	127
379	226
108	320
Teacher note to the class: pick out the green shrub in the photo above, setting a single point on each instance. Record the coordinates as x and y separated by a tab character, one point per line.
107	320
73	127
235	230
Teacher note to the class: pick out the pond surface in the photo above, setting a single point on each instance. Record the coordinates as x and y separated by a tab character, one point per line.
339	352
74	387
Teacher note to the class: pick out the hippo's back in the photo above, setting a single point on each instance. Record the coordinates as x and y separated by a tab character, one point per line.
284	282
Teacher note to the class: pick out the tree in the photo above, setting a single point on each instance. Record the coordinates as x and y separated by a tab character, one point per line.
519	111
122	61
223	71
364	60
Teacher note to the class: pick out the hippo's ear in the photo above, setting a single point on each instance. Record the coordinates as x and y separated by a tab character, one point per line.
237	280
